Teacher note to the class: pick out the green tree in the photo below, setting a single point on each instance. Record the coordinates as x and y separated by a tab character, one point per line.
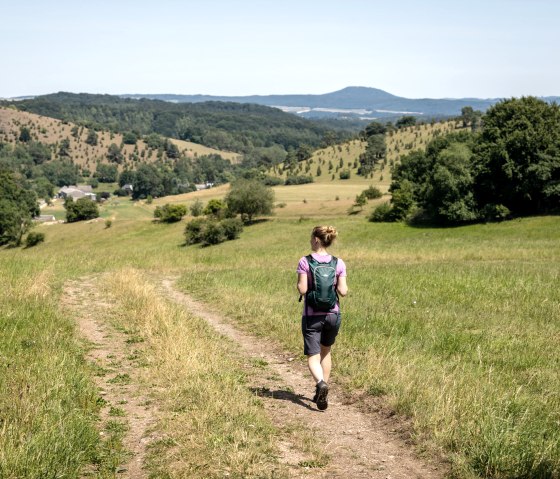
106	173
196	208
148	181
360	201
449	195
127	177
18	205
405	121
171	150
169	213
81	209
114	154
130	138
24	134
61	172
92	137
250	199
39	152
64	148
215	208
517	158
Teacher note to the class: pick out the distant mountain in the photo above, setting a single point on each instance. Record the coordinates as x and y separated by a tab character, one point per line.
350	102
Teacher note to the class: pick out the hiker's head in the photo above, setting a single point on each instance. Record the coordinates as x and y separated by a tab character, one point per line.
325	234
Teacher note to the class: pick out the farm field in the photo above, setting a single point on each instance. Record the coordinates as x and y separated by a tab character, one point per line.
456	329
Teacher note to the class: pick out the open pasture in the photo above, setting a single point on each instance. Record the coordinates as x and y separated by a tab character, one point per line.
456	328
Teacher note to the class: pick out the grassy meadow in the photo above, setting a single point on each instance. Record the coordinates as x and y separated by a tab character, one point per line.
456	328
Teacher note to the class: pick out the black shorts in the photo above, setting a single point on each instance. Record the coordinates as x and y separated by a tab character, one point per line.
319	330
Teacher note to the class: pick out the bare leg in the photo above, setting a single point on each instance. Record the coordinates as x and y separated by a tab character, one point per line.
326	362
320	364
314	364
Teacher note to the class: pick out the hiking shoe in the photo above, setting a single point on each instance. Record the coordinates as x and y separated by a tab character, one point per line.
321	394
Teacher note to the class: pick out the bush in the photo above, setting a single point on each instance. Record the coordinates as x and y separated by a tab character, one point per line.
194	230
34	238
382	213
213	233
298	180
232	228
372	193
208	231
492	212
272	181
344	174
197	208
170	213
82	209
129	138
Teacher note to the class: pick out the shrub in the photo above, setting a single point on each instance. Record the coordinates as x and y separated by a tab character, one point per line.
129	138
82	209
194	230
170	213
492	212
213	233
344	174
232	228
34	238
208	231
272	181
197	208
216	208
372	193
108	223
298	180
382	213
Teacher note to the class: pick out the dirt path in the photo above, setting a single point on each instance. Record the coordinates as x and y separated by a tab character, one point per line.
359	445
126	405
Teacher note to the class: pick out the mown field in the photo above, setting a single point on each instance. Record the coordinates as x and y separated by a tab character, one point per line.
456	328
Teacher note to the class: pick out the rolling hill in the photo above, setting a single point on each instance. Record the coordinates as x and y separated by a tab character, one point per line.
52	132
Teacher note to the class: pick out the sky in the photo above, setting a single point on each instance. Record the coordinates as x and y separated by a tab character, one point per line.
410	48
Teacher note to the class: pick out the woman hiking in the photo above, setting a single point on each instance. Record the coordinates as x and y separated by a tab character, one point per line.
321	280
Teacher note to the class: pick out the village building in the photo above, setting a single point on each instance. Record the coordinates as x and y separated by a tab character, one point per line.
77	192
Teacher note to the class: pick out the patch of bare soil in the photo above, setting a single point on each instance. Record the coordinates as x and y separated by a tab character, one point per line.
361	440
118	378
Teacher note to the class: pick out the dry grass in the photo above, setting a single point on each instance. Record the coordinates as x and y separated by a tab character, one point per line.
51	131
210	423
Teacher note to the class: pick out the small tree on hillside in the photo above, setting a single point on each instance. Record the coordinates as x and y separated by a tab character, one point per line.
92	138
249	199
81	209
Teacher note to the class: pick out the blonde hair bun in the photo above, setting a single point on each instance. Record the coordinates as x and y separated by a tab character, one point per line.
326	234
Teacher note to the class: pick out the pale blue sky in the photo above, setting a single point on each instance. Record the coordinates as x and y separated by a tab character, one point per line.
416	49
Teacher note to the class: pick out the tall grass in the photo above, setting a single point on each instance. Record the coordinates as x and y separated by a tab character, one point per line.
457	328
47	402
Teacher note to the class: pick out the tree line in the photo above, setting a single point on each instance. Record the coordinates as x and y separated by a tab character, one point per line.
222	125
509	165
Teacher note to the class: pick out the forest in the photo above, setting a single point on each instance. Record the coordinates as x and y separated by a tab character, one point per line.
222	125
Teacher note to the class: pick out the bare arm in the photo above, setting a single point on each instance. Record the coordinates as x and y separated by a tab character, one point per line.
341	286
302	283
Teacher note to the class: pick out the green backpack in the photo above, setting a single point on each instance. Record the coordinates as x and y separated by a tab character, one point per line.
322	296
